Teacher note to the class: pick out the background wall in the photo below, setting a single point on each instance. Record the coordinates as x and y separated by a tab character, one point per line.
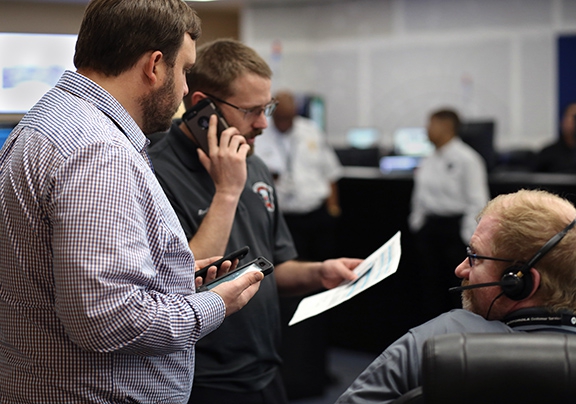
24	16
65	18
387	63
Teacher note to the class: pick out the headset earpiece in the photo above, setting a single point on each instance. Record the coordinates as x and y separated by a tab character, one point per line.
517	282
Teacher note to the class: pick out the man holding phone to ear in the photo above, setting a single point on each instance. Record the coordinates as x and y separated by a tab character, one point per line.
226	199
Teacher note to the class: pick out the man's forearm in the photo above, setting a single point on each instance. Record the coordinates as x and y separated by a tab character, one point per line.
213	233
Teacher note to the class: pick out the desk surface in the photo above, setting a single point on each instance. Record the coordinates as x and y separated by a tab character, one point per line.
497	177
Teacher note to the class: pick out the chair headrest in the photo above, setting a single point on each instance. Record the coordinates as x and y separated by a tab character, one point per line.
500	368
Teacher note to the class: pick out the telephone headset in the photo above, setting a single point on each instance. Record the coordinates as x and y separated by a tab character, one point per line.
517	282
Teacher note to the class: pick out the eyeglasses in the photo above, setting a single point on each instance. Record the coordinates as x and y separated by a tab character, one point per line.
473	257
250	113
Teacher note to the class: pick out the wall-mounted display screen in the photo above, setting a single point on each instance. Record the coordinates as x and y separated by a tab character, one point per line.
31	64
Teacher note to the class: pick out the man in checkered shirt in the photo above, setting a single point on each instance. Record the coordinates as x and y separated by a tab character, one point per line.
97	285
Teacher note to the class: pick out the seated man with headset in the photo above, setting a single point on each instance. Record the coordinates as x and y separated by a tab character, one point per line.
519	276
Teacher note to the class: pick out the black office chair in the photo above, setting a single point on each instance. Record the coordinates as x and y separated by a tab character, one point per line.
533	368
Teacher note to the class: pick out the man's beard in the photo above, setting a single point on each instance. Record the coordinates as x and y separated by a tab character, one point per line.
470	303
468	300
252	135
159	107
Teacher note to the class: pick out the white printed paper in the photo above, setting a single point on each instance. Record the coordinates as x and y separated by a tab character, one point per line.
379	265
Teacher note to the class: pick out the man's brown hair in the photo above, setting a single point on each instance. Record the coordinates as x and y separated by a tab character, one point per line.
115	33
219	63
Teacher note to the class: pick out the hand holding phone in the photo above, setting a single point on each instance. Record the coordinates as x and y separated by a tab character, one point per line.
197	120
237	288
238	254
260	264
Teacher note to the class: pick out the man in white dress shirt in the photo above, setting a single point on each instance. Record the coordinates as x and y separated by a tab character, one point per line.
450	189
306	170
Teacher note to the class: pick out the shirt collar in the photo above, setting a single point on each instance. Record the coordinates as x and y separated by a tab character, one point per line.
452	143
86	89
184	148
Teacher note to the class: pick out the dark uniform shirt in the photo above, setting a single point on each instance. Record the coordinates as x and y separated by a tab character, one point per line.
242	355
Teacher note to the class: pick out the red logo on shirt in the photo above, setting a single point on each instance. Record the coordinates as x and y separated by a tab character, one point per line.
265	192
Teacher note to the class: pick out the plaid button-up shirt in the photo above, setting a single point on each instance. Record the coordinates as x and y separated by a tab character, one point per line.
97	300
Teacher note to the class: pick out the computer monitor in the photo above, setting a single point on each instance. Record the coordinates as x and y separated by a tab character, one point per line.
5	129
410	146
313	107
31	64
363	137
396	164
412	141
351	156
480	136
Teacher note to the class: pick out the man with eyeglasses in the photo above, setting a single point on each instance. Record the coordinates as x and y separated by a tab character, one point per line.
519	276
226	200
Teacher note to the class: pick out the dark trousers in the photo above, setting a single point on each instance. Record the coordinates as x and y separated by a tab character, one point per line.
274	393
304	345
440	250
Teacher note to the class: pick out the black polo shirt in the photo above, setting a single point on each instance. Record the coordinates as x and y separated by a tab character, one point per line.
241	355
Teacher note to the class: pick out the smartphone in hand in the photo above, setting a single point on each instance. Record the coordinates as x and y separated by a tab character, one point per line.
197	119
259	264
238	254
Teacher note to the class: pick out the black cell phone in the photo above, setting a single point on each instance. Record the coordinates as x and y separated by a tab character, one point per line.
238	254
259	264
197	119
